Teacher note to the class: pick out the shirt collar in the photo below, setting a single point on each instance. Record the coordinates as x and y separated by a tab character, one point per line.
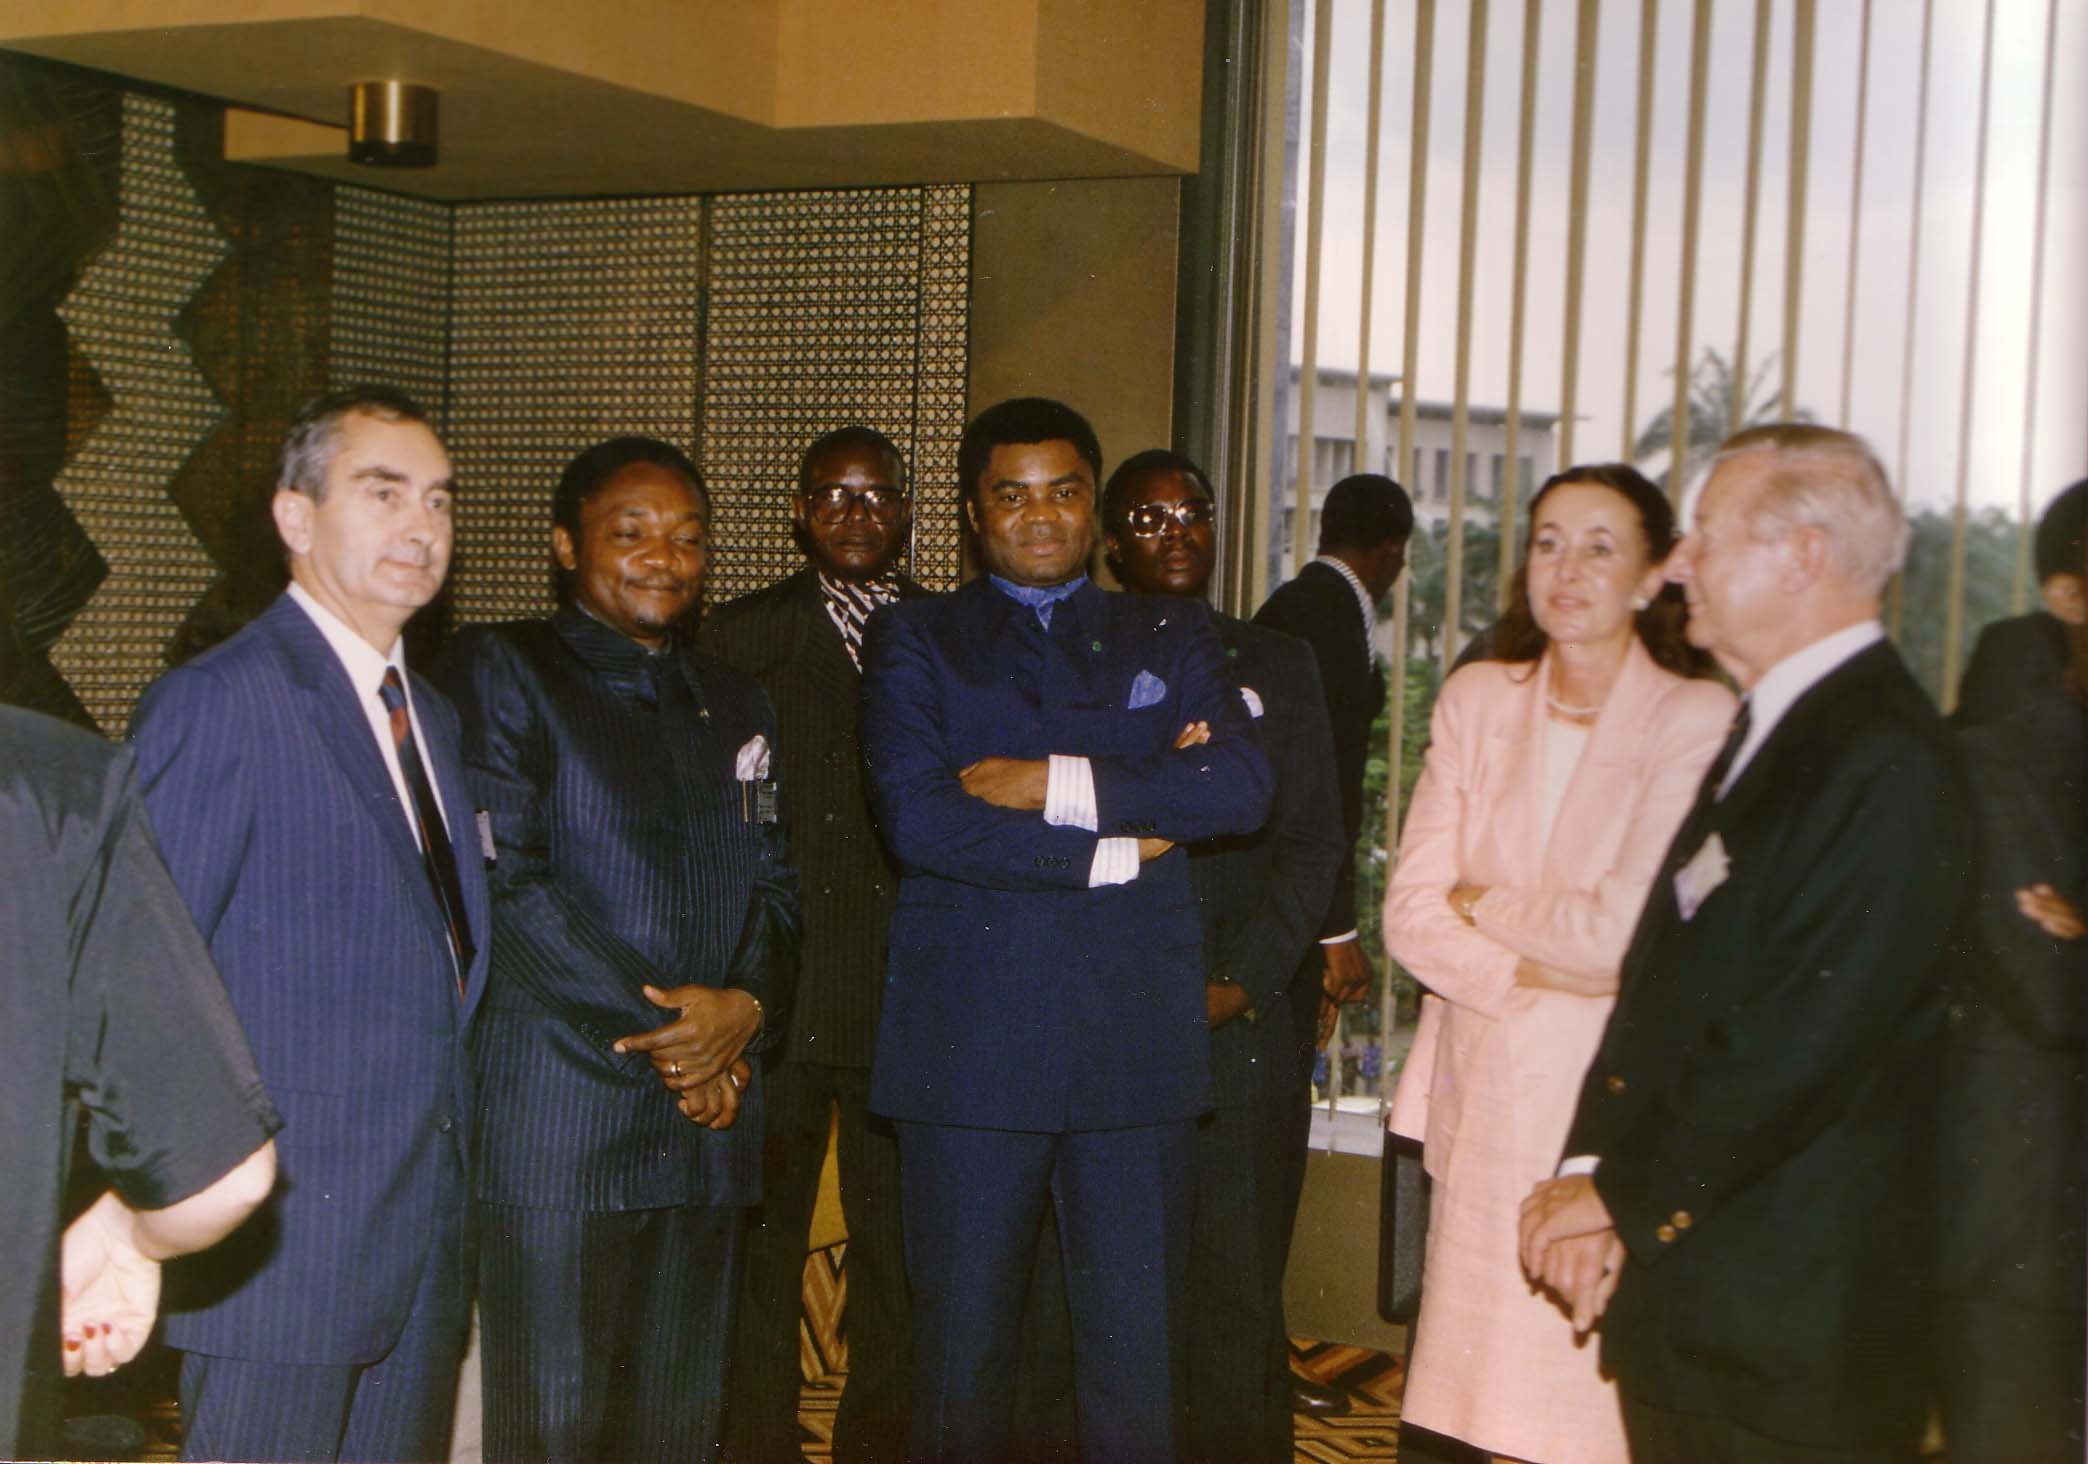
1039	597
1792	677
363	662
627	666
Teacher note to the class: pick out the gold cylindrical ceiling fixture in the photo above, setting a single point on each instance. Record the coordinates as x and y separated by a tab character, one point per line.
391	124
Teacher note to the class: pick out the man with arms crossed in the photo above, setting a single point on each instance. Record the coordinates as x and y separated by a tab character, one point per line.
639	869
1034	745
802	639
1748	1163
308	798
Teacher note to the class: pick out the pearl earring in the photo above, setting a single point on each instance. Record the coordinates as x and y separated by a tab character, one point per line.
1639	602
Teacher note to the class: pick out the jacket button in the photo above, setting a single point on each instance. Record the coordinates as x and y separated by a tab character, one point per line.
1614	1083
446	1124
1665	1234
1681	1220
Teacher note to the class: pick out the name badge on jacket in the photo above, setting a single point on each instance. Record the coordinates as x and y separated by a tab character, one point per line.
1706	871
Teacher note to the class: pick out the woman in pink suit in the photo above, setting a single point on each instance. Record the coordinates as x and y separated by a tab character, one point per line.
1556	776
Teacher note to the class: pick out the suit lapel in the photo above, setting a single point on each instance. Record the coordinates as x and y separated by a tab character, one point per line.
330	703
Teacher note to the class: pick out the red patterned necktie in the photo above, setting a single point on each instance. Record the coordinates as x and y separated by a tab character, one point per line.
436	856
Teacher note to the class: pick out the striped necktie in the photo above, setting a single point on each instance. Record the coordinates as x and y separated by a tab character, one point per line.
437	858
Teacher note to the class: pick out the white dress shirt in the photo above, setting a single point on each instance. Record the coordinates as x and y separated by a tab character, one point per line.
1792	677
366	668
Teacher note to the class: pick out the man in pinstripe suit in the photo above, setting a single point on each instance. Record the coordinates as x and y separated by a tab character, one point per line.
308	797
800	638
639	873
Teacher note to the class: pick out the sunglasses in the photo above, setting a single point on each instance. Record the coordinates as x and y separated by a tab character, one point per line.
1150	519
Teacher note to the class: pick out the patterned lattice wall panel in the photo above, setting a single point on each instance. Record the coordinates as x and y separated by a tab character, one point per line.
570	322
391	294
827	308
121	317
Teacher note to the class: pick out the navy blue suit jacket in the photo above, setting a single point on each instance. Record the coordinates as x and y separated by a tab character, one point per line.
282	829
625	855
1262	895
1019	998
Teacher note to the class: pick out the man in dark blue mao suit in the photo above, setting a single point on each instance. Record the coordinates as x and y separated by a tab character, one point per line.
1036	749
311	807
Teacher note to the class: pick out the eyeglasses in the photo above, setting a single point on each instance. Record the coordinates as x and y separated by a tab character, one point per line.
831	505
1150	519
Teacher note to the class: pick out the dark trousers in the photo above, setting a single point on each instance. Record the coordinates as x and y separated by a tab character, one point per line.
1663	1436
761	1424
604	1335
2009	1378
1238	1372
974	1202
396	1408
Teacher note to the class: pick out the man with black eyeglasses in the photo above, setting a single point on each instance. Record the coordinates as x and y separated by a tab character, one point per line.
800	638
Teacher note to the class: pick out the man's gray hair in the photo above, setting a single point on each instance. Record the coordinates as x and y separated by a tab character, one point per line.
314	436
1829	480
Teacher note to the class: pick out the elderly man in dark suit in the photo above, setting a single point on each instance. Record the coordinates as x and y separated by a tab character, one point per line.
802	640
1036	747
309	799
1747	1177
639	868
1260	897
1331	605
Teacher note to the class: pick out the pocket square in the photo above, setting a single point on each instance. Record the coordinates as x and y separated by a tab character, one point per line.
1705	872
751	763
1147	690
1253	700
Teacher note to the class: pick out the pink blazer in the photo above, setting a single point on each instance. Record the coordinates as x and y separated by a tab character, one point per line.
1568	904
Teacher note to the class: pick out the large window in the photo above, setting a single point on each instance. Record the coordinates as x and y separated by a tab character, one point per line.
1581	230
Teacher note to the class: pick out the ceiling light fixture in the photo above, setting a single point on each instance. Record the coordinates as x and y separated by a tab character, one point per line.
391	124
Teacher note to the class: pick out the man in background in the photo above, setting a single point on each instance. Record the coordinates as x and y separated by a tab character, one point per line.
308	797
1331	605
638	869
2018	661
802	640
1261	899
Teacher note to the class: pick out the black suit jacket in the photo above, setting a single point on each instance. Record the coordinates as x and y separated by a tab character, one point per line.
2015	1103
1261	895
625	856
1761	1102
2014	662
783	638
1319	608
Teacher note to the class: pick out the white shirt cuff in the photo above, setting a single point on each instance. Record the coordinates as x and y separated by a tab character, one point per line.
1116	861
1578	1164
1069	796
1337	939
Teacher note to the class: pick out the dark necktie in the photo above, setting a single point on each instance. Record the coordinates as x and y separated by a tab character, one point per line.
436	855
1687	837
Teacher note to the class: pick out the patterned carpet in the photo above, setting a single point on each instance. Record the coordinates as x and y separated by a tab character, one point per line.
1369	1431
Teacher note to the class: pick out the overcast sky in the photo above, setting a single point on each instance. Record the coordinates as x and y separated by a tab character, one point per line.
1933	412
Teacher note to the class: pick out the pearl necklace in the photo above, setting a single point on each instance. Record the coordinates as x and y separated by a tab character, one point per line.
1572	714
